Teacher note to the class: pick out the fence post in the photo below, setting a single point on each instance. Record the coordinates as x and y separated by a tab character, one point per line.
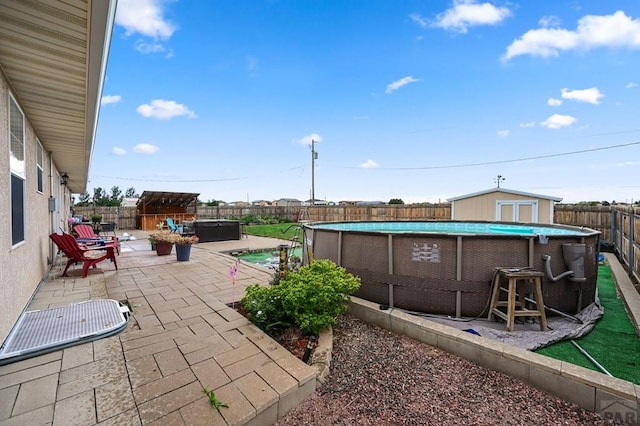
618	236
612	235
631	243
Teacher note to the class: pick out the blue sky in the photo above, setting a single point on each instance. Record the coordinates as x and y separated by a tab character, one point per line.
419	100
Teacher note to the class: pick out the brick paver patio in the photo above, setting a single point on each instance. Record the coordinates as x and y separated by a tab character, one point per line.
181	337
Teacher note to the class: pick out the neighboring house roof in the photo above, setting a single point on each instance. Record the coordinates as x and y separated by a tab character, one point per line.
55	57
129	202
295	200
508	191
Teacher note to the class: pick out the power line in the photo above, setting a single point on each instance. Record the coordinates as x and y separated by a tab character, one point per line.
488	163
189	180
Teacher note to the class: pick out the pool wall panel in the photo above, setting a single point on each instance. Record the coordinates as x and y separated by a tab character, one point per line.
451	274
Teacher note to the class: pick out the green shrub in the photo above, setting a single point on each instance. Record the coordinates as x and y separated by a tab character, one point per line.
310	298
250	218
264	307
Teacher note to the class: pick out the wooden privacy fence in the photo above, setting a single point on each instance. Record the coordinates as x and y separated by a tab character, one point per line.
625	232
598	218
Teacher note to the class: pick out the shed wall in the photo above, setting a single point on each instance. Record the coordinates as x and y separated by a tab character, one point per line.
483	207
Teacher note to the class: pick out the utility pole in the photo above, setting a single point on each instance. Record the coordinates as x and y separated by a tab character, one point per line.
314	157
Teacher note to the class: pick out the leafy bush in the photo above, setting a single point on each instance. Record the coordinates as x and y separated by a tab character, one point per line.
250	218
264	307
310	298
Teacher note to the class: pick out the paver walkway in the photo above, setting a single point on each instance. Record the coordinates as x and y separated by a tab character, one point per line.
182	337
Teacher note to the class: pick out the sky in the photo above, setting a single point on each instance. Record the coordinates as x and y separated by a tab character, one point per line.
418	100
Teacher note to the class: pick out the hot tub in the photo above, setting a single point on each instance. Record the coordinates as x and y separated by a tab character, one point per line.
447	267
209	230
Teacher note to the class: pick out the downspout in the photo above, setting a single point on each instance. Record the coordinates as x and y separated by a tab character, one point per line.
51	214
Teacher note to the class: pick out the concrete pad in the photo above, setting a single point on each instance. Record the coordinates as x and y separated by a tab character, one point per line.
28	374
169	402
76	410
201	412
113	399
162	386
7	400
36	394
210	374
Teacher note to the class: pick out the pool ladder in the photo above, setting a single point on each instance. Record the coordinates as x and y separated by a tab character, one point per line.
298	233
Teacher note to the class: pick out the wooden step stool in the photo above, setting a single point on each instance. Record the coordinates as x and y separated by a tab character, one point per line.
515	276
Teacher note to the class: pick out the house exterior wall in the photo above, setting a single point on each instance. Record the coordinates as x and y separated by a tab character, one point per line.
484	207
25	264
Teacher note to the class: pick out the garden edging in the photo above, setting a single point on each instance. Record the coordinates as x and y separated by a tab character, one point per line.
589	389
321	358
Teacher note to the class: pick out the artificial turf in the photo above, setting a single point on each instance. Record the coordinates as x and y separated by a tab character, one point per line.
612	342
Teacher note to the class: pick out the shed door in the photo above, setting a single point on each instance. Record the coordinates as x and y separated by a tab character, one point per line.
517	211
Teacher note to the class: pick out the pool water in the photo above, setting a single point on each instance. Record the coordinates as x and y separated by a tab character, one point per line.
268	258
473	228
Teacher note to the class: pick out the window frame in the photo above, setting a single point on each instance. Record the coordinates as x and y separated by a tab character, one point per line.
17	178
39	167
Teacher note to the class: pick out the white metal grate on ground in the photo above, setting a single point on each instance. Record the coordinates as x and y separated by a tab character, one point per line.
38	332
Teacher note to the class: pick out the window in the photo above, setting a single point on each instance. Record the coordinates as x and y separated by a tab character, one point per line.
39	166
18	172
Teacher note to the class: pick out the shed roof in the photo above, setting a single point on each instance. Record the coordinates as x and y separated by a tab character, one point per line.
157	198
508	191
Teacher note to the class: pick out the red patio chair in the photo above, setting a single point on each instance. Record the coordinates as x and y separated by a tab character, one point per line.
87	235
75	253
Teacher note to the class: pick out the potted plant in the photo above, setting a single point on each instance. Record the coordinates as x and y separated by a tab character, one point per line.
163	243
183	246
96	218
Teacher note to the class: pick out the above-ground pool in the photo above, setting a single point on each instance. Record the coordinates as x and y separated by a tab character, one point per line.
446	267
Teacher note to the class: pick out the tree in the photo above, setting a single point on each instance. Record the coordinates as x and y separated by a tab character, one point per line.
116	196
131	193
84	199
396	201
211	203
99	196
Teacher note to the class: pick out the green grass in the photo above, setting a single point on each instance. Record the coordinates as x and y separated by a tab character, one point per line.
612	342
284	231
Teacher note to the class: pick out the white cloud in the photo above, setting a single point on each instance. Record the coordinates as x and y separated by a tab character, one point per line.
110	99
392	87
469	13
557	121
628	164
144	17
419	20
591	95
631	85
369	164
554	102
528	124
306	140
616	30
549	21
503	133
147	48
145	148
118	151
164	110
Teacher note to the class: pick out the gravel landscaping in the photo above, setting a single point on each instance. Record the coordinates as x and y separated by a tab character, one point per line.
379	377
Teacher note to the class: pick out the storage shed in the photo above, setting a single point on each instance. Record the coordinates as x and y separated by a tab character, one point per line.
504	205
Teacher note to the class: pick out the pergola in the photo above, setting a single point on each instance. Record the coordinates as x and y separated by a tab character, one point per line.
153	207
